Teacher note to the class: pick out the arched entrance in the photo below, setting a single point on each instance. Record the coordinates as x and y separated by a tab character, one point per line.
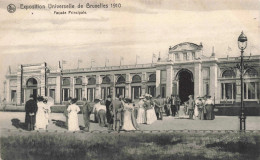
186	84
31	88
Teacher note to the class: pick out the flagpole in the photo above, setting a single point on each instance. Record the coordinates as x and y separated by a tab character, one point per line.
136	60
78	63
152	58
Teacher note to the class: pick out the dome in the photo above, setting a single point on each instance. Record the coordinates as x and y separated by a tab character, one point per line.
186	46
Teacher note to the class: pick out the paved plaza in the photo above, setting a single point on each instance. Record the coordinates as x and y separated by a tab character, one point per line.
8	120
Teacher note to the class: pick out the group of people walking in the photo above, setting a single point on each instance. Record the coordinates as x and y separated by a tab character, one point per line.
117	114
37	113
202	108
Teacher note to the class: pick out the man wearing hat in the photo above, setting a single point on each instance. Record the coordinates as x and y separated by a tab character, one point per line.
191	106
30	113
159	103
117	107
86	111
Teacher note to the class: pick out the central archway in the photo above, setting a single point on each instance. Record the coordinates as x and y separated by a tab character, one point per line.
186	84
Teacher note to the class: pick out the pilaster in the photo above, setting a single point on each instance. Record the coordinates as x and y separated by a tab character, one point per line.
197	80
128	86
214	82
98	87
158	82
19	85
169	72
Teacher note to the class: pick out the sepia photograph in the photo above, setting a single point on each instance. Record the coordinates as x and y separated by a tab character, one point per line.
130	79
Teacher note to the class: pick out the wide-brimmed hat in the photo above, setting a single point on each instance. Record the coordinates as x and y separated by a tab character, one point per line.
142	97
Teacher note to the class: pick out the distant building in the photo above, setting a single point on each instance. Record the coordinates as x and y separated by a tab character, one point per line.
186	72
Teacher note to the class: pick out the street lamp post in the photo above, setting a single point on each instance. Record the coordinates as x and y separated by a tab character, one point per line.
242	44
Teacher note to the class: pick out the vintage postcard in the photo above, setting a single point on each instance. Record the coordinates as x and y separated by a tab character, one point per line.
129	79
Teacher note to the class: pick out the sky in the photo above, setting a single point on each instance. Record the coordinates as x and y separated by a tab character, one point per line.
139	27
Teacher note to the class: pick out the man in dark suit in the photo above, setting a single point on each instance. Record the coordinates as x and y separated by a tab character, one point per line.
30	113
117	107
191	106
159	103
86	111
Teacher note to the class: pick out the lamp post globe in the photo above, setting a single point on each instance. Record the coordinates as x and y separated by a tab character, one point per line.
242	41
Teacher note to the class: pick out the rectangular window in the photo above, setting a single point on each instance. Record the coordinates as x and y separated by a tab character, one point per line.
228	91
250	90
78	93
65	94
52	93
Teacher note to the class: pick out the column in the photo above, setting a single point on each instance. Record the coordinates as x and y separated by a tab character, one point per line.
58	89
144	80
98	87
43	80
169	79
112	86
128	86
158	82
72	87
214	83
19	85
197	80
85	82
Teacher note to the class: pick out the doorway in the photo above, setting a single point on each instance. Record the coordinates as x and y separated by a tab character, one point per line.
186	85
136	92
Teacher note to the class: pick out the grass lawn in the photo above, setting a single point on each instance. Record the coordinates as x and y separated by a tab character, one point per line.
132	146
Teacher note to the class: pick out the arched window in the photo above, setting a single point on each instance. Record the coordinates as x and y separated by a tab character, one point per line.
78	81
91	81
120	80
251	72
152	78
31	82
136	79
106	80
66	81
228	74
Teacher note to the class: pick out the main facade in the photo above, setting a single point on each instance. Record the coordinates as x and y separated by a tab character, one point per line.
185	72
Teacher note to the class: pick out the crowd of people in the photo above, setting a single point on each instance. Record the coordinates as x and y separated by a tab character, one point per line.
118	114
202	108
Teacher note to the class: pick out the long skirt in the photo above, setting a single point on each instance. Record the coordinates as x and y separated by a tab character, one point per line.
102	117
73	123
141	115
151	116
209	109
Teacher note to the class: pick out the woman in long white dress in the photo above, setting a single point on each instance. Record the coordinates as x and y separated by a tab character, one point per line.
196	110
49	102
73	110
141	112
40	115
150	113
128	120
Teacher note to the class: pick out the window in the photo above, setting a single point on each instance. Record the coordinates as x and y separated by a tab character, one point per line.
78	81
228	91
120	80
106	80
152	78
251	73
78	93
66	81
65	94
250	90
136	79
91	81
228	74
52	93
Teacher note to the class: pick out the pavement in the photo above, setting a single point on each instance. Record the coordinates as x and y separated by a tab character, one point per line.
8	121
